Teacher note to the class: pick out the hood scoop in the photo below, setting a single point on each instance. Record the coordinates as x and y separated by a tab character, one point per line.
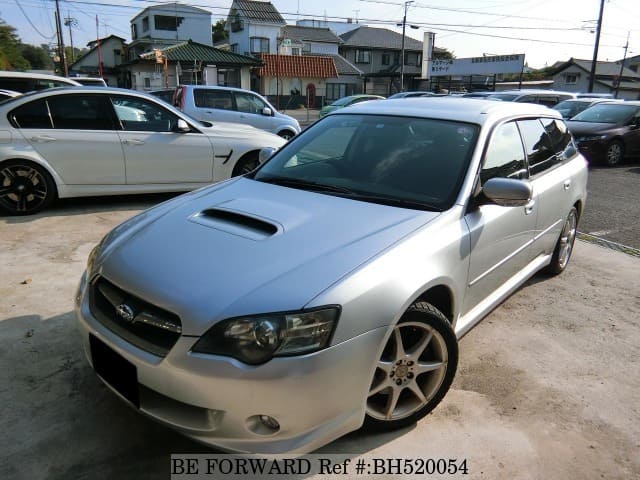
235	223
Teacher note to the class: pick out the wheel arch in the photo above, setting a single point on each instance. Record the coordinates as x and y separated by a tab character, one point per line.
441	297
57	181
245	156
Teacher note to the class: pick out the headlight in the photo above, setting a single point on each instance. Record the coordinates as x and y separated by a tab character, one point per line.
257	339
588	138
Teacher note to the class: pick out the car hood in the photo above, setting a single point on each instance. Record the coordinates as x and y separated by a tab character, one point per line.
587	128
238	130
250	247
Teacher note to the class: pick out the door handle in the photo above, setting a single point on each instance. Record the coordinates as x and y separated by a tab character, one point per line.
567	184
43	139
528	208
133	141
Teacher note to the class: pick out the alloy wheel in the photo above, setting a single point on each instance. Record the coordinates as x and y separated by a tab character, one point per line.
567	239
23	188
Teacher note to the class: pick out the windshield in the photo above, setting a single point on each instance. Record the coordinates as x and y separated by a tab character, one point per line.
569	108
505	97
403	161
342	101
606	113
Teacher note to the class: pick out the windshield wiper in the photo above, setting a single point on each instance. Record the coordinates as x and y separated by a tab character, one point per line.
396	202
305	184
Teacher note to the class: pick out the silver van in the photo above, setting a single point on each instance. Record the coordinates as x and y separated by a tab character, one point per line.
548	98
234	105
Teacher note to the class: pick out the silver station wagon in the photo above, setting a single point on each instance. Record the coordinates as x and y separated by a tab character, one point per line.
277	311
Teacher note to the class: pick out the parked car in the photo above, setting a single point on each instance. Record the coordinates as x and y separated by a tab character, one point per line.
5	94
330	286
82	141
91	81
570	108
595	95
347	101
608	131
548	98
27	82
413	95
482	95
164	94
235	105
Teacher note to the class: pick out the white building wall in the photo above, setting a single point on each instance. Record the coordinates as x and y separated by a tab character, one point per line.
196	24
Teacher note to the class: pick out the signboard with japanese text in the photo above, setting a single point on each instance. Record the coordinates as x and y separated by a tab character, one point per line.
488	65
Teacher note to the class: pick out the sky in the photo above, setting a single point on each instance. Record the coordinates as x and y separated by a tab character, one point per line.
546	31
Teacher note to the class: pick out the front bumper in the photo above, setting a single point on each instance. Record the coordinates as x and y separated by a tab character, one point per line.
315	398
593	149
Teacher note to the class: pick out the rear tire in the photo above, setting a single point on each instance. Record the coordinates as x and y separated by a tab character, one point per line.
614	154
415	370
25	187
564	246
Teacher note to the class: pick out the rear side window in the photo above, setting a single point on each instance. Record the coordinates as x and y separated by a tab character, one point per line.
208	98
21	85
504	156
32	115
560	138
537	146
81	112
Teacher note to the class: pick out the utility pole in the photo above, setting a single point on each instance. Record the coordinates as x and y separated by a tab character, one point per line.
622	66
69	21
594	62
63	58
404	26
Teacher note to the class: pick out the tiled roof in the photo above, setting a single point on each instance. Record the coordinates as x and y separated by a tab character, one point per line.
296	66
259	11
310	34
605	69
193	51
343	66
378	38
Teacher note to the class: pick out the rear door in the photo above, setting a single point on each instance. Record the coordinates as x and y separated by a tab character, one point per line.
154	151
500	236
76	135
214	105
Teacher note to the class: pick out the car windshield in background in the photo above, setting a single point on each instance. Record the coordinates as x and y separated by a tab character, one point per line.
506	97
606	113
342	101
407	162
569	108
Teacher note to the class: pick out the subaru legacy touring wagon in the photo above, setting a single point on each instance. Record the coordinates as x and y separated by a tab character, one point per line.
329	288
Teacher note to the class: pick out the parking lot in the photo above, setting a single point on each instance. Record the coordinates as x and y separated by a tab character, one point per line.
547	385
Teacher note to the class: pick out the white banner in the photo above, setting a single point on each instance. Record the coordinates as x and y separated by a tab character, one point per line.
488	65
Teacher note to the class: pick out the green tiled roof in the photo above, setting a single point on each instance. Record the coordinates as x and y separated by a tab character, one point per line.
198	52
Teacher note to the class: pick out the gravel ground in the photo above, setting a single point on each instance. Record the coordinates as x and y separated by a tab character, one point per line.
547	386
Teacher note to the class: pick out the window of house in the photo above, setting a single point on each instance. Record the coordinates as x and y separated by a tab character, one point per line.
145	24
166	22
259	45
363	56
296	51
147	82
339	90
234	48
571	78
386	58
306	47
134	31
412	58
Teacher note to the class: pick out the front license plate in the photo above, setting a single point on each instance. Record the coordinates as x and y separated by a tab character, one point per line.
116	370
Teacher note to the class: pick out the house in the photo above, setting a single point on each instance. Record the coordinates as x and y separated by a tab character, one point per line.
253	27
190	63
573	76
633	63
110	51
162	25
376	52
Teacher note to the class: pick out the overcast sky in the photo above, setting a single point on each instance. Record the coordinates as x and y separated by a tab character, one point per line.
544	30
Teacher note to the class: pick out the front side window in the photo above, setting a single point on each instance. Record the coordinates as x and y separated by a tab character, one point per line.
32	115
402	161
247	103
139	115
259	45
537	146
209	98
504	157
363	56
81	112
560	139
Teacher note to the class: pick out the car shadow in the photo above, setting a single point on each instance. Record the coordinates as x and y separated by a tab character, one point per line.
87	205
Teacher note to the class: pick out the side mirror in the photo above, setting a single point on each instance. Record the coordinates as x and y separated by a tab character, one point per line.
182	126
508	192
267	112
265	154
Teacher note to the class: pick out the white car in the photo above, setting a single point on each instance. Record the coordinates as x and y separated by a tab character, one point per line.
84	141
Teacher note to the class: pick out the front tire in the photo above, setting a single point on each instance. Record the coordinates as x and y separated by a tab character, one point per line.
415	370
25	187
615	153
564	246
286	134
246	164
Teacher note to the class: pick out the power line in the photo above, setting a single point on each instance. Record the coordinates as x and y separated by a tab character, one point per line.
31	23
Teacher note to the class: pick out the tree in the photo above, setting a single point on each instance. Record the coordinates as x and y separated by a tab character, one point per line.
10	56
218	32
38	57
443	54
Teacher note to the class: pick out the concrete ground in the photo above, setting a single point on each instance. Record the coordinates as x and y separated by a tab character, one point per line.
547	386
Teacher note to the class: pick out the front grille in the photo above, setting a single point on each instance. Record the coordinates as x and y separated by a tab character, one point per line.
144	325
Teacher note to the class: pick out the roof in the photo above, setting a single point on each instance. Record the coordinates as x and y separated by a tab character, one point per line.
310	34
175	6
605	69
344	66
468	110
104	39
297	66
192	51
379	38
258	11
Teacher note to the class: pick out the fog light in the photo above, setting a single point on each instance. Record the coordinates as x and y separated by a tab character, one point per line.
269	422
